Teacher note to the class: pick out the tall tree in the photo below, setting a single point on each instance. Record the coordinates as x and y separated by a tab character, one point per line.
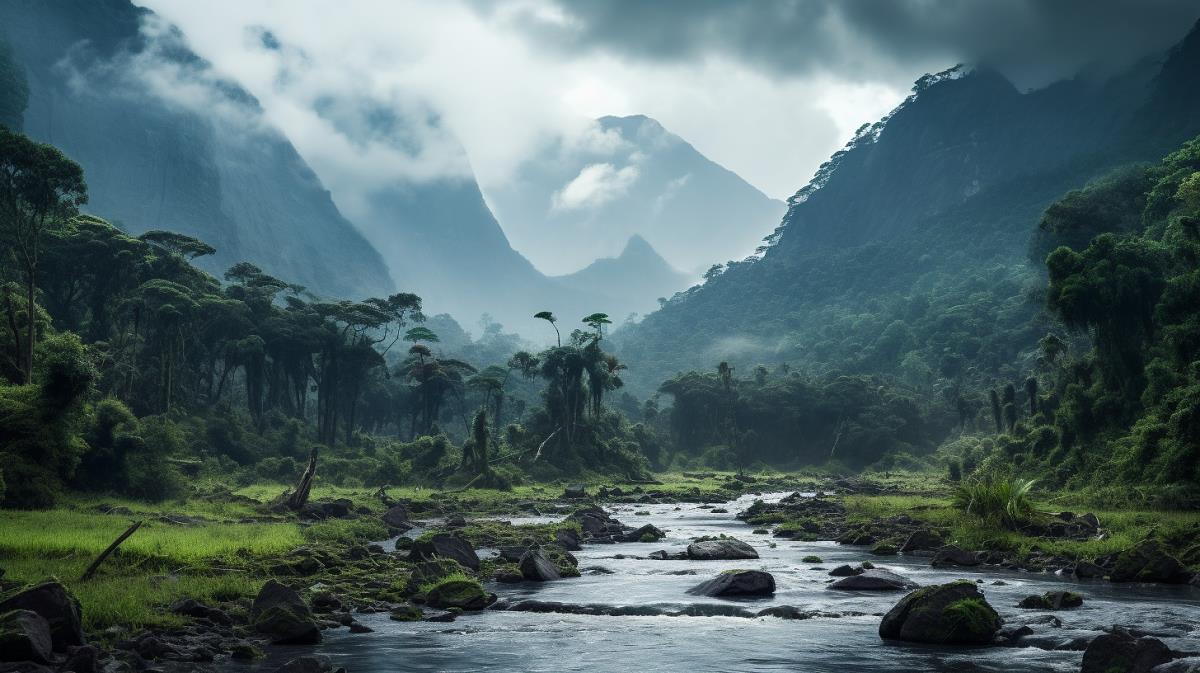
549	317
40	190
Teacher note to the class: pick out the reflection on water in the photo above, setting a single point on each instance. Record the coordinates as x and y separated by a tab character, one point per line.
523	641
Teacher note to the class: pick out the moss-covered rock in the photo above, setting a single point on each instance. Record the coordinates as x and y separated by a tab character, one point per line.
457	592
1147	561
946	614
406	613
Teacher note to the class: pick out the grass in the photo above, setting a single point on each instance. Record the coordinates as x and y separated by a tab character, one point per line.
1004	500
1124	527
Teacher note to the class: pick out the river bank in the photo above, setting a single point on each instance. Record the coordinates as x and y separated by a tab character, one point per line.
182	591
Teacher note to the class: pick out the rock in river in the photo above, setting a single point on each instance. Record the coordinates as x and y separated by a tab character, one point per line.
279	613
445	546
723	549
874	580
1147	561
535	567
1120	651
737	583
954	556
946	614
1052	600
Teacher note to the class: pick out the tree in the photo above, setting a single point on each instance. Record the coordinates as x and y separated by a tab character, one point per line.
997	416
40	190
597	321
549	317
182	245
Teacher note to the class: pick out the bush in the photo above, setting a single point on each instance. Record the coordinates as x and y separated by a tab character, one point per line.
1002	500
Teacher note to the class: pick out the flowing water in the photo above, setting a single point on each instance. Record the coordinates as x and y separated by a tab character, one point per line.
501	640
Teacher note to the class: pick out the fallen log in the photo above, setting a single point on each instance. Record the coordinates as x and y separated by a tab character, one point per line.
91	570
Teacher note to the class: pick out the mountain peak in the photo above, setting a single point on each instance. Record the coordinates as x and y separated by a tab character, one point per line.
637	246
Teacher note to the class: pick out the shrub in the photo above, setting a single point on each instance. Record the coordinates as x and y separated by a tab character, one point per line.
1002	499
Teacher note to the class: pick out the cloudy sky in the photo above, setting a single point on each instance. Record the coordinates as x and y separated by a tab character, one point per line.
374	91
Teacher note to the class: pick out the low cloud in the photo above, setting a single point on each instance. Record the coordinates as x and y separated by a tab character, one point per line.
595	185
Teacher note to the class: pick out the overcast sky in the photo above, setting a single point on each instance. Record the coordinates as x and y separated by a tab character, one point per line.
768	89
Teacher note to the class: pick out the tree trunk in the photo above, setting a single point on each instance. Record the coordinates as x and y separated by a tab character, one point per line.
299	497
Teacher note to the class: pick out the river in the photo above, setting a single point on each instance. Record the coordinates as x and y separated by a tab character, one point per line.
502	640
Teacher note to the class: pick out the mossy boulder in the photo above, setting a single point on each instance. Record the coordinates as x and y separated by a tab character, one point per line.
406	613
429	572
1147	561
447	547
1052	600
535	567
884	549
457	592
944	614
279	613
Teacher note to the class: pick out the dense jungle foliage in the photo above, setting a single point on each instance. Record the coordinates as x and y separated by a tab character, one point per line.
127	369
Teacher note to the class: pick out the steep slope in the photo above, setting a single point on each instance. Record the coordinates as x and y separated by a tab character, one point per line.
115	99
636	178
907	255
631	282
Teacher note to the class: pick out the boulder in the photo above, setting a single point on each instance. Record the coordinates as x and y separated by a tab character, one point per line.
944	614
1088	570
647	533
313	663
575	492
884	549
458	593
279	613
1052	600
397	518
845	571
1147	561
190	607
1120	651
724	549
445	546
406	613
735	583
951	555
25	636
568	539
1184	665
922	540
874	580
535	567
58	607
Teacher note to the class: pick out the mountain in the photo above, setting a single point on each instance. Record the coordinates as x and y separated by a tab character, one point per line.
631	282
577	199
210	168
909	253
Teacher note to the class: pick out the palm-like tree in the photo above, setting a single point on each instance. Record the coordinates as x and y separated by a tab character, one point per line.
549	317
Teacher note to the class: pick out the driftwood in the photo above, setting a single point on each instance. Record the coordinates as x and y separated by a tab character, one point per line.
299	497
91	570
543	444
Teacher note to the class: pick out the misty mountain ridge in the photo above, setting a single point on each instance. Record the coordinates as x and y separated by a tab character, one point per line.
942	196
154	163
635	280
636	178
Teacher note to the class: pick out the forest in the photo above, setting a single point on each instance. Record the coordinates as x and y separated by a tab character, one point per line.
953	399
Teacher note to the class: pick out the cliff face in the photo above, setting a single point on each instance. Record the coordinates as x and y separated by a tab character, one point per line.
155	161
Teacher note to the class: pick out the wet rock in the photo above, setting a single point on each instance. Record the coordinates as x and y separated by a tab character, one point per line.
647	533
1185	665
874	580
1011	634
845	571
724	549
463	594
922	540
441	616
325	601
597	525
406	613
445	546
1088	570
951	555
884	549
358	627
25	636
568	539
396	518
279	613
535	567
456	522
58	607
1120	651
947	614
737	583
1052	600
190	607
313	663
1147	562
